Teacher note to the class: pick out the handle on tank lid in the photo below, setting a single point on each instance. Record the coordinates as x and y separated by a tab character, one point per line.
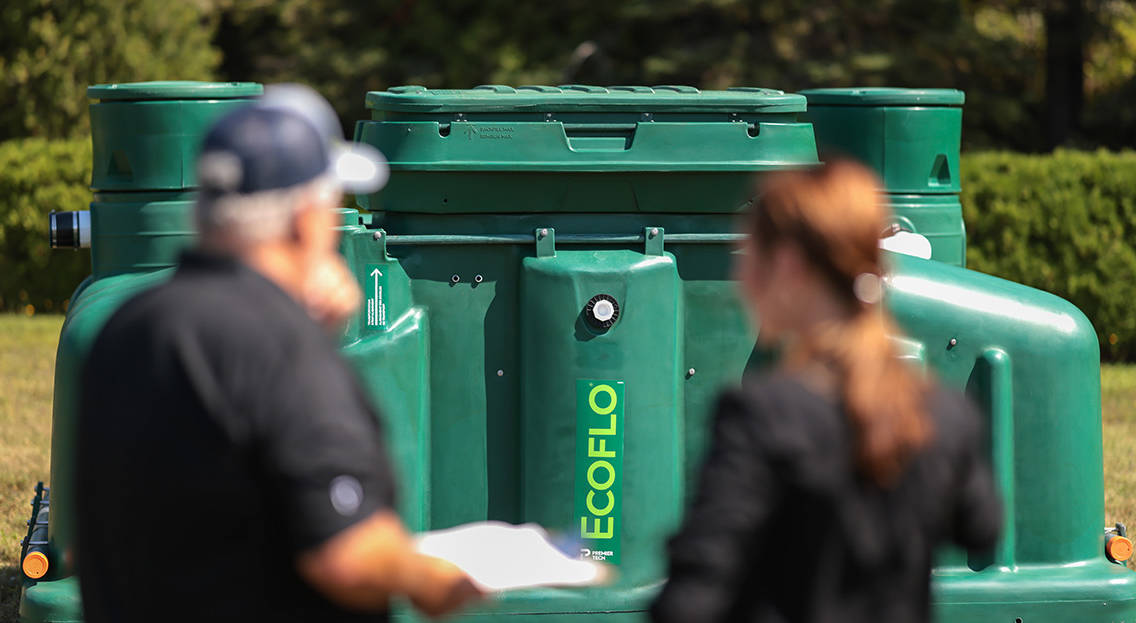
600	136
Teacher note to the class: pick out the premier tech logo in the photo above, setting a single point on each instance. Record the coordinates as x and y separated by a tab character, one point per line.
599	467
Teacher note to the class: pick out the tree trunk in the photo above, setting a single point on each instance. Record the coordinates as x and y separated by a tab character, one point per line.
1064	69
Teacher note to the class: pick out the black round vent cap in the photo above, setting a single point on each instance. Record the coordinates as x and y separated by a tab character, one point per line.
602	311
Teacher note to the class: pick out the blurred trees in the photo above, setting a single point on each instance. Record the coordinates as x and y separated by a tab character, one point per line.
38	176
51	50
998	51
1037	72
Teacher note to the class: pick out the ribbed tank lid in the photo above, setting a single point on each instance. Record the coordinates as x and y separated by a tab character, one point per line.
174	90
583	98
884	96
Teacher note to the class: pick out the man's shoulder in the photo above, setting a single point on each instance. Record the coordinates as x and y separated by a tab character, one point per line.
222	310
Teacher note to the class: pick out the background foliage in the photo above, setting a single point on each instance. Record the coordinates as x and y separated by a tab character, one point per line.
36	177
995	50
51	50
1008	55
1064	223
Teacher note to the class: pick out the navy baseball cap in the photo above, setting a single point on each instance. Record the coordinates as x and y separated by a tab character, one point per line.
290	136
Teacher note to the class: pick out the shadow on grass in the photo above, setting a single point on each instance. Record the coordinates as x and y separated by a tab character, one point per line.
11	580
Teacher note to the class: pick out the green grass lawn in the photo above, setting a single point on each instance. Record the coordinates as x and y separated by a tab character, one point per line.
27	366
1118	407
27	361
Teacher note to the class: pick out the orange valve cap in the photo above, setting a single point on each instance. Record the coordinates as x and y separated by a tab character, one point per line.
35	564
1118	548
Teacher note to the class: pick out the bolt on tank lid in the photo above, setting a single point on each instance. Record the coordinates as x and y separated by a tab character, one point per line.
884	96
173	90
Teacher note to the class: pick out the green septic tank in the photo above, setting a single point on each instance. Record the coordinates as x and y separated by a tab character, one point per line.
549	315
523	284
911	138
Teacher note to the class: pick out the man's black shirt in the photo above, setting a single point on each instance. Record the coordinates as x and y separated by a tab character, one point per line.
220	435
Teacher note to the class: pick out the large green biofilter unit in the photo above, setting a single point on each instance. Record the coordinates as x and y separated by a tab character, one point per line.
549	314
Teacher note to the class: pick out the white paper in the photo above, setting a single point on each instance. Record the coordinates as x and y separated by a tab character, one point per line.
499	556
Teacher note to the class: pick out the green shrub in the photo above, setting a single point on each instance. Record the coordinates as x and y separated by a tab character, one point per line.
36	177
50	51
1062	222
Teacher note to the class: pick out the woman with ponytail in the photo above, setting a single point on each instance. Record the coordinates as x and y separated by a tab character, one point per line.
831	479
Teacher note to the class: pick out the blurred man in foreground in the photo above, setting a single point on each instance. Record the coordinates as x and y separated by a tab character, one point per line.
230	466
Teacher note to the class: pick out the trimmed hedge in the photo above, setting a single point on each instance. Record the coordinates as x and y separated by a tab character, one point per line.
36	177
1062	222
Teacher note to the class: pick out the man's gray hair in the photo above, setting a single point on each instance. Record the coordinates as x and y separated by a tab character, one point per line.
245	219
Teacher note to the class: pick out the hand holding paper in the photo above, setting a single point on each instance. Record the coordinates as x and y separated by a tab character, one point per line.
498	556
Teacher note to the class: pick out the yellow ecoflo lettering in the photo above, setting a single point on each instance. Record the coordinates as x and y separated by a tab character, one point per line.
608	410
600	511
601	450
601	473
597	532
592	475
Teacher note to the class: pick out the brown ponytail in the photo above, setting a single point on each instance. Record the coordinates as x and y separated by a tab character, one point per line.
835	215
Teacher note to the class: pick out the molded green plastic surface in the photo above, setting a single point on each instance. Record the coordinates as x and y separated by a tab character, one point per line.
474	338
911	142
146	135
580	149
911	138
57	602
135	232
939	218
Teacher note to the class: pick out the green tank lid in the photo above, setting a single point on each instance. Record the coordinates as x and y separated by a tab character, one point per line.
583	98
173	90
145	135
911	137
884	96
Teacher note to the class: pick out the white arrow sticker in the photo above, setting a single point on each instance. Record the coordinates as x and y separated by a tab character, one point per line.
376	308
